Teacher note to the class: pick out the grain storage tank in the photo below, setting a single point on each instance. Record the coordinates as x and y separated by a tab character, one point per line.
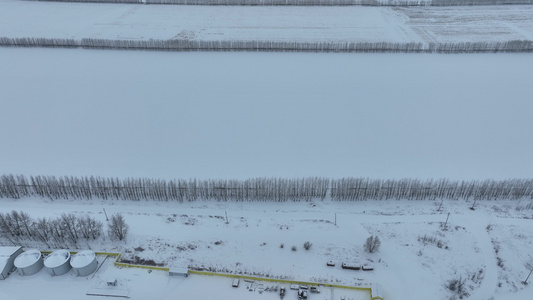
29	262
84	263
58	262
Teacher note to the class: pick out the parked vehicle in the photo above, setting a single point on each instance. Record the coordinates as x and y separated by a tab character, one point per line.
330	263
302	294
314	289
351	266
282	292
367	268
236	282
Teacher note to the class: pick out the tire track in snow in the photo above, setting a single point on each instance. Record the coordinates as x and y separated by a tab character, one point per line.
487	289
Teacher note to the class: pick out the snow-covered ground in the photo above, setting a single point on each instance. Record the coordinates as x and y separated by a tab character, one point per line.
242	115
196	234
302	24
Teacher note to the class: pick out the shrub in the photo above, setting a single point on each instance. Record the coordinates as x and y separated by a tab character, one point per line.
282	245
458	286
307	245
293	248
432	240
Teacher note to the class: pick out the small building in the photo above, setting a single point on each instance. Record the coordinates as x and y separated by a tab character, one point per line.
29	262
84	263
178	272
58	262
7	260
376	292
112	282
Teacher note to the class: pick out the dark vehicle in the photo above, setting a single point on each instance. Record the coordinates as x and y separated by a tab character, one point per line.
302	294
351	266
282	292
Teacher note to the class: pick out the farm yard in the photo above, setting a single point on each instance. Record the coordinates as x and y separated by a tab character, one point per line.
259	237
422	162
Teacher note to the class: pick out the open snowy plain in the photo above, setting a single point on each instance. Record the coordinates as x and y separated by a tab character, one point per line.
266	23
242	115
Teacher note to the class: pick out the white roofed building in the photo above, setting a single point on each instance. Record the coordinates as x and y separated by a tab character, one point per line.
7	258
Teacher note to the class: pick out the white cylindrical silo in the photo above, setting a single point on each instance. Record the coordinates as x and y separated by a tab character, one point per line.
84	262
58	262
29	262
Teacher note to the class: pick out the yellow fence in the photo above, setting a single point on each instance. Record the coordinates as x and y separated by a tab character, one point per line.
125	265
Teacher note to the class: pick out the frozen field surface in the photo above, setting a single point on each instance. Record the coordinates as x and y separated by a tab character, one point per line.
302	24
242	115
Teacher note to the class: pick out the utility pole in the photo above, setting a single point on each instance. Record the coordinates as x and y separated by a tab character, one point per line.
525	281
440	204
445	224
227	222
335	219
105	215
472	208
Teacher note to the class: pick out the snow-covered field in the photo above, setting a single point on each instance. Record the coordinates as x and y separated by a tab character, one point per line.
242	115
196	234
302	24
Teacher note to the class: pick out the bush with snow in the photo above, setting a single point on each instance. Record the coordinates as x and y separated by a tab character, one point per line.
307	245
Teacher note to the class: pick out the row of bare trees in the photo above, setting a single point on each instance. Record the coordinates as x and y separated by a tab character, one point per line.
315	2
274	46
260	189
356	189
256	189
66	231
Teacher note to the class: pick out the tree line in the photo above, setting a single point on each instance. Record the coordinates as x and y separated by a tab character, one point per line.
314	2
66	231
256	189
260	189
273	46
62	232
357	189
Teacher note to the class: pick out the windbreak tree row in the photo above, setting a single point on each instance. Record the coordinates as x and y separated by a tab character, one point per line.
274	46
314	2
356	189
256	189
260	189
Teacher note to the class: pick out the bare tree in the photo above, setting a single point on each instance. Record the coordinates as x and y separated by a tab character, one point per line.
372	244
118	229
68	224
42	231
89	227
